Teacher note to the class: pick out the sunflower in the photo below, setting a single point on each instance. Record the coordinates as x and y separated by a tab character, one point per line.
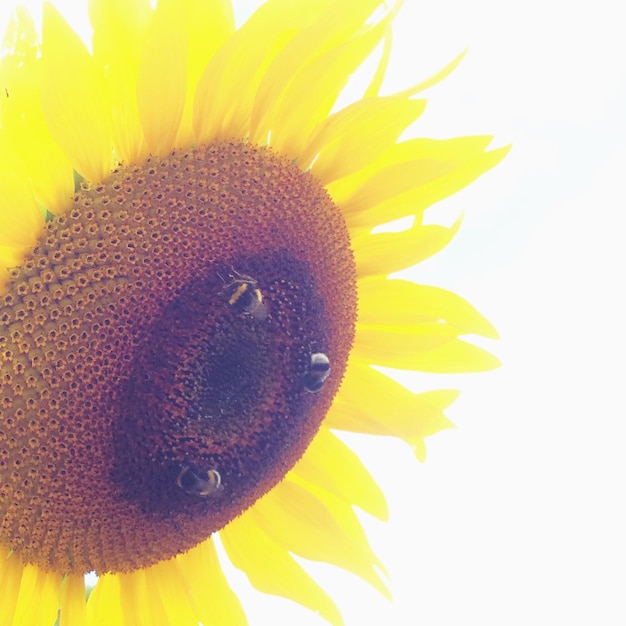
193	293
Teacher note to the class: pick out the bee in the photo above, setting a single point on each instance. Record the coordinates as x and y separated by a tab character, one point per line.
197	483
319	370
245	297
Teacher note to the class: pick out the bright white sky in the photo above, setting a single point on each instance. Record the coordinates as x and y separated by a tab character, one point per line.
518	515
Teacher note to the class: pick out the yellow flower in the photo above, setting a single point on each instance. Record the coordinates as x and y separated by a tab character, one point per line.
185	241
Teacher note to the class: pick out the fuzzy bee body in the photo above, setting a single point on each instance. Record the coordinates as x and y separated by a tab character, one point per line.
198	483
319	370
245	297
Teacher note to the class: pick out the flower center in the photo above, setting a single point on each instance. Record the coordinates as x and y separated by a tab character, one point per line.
167	353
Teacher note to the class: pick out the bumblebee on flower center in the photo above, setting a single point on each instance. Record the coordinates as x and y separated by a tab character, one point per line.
175	382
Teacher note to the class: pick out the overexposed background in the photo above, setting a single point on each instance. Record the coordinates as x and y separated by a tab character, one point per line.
517	517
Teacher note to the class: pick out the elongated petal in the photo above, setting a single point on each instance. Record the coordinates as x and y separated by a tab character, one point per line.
423	347
441	185
21	220
10	578
118	38
383	253
364	406
373	89
344	516
334	24
355	136
411	176
437	77
398	342
208	26
74	101
211	596
271	569
228	86
300	523
162	77
377	80
390	302
454	357
313	91
104	606
404	167
331	464
38	598
141	605
164	581
73	605
24	129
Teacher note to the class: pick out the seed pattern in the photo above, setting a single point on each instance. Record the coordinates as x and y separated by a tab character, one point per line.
117	345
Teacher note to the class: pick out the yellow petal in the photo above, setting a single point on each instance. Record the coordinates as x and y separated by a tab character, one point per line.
435	78
228	86
421	347
141	604
162	77
299	522
411	176
213	600
332	465
363	405
381	71
399	342
74	101
312	92
38	598
73	606
389	302
358	134
336	24
21	220
405	166
272	569
10	578
416	200
383	253
345	517
119	33
44	164
164	581
373	88
208	25
104	606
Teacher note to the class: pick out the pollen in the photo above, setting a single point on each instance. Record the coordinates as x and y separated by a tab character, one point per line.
158	350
